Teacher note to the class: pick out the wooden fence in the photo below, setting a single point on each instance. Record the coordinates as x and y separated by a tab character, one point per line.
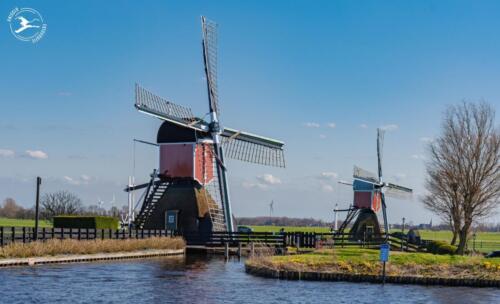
27	234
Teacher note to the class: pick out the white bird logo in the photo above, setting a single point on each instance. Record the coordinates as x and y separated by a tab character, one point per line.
26	24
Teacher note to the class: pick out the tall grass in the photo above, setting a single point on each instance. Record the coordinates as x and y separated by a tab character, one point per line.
61	247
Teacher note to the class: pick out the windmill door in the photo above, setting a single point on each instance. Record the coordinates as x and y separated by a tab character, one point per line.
171	220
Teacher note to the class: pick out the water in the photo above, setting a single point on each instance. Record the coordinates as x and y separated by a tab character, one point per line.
196	279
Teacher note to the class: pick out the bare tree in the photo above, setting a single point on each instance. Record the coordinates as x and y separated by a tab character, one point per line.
60	203
10	208
463	179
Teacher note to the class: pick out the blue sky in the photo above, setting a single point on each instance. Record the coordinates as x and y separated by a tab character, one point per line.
321	76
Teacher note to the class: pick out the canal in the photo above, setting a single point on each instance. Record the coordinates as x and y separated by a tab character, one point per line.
200	279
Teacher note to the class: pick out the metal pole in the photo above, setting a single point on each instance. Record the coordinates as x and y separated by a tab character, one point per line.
130	203
335	214
383	273
37	208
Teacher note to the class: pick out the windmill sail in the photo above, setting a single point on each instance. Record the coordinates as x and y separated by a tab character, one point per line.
253	148
397	191
380	146
159	107
209	29
359	173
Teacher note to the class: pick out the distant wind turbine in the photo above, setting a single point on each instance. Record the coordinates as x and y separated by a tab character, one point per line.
271	208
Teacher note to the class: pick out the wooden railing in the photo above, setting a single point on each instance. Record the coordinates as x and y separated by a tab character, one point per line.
27	234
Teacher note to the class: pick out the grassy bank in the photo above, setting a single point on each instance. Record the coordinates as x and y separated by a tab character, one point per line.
7	222
58	247
366	261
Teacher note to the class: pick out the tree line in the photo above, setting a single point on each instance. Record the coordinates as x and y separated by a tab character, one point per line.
56	203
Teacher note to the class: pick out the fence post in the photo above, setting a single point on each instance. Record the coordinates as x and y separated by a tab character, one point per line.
136	233
62	233
142	233
70	233
43	233
129	233
1	236
52	232
123	233
110	232
102	234
149	233
24	235
13	231
79	234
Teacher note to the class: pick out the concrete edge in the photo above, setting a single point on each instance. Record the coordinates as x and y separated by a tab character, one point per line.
90	257
349	277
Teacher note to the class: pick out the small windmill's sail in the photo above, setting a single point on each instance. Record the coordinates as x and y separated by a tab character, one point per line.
363	174
398	191
209	29
253	148
380	148
159	107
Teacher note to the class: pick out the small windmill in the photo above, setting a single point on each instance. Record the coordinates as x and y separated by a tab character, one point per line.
191	186
370	191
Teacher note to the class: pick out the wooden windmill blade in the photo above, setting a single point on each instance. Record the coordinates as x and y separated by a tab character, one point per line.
163	109
253	148
365	175
209	42
397	191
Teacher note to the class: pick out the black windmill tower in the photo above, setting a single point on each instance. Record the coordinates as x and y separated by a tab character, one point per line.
189	192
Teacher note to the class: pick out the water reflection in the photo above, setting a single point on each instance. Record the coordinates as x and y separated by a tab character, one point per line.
202	279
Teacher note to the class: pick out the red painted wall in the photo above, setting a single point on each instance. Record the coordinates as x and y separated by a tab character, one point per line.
362	199
176	160
204	163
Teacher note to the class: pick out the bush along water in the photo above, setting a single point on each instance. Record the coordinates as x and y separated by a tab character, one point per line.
441	247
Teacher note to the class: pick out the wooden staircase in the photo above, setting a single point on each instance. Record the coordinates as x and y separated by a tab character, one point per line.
154	194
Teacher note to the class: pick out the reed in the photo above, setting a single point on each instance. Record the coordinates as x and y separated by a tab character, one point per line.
61	247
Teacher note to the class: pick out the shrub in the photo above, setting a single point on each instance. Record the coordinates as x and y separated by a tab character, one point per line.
90	222
440	247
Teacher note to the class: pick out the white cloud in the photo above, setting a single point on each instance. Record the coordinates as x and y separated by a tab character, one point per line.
426	139
36	154
81	180
251	185
85	177
269	179
331	125
399	176
7	153
71	180
363	126
328	175
418	156
391	127
326	188
311	125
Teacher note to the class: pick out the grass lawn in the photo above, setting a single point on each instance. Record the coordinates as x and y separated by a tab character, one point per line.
366	261
6	222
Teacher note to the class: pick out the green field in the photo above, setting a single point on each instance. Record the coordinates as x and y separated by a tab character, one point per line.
6	222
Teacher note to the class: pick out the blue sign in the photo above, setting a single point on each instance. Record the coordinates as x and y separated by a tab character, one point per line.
384	252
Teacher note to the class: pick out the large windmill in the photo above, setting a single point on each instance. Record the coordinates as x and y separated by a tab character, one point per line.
370	191
190	192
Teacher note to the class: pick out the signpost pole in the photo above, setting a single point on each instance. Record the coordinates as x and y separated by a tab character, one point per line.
384	257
